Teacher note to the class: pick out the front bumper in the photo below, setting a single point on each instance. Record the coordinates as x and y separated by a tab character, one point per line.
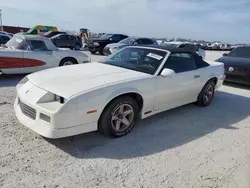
237	78
107	51
46	129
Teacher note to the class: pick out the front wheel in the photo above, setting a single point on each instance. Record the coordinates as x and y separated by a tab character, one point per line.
67	61
119	117
77	47
206	95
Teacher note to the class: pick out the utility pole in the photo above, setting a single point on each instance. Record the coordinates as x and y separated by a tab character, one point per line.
1	22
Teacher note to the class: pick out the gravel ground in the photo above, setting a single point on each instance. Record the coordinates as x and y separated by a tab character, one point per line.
185	147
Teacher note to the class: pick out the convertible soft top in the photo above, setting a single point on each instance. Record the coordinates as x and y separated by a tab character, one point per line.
199	61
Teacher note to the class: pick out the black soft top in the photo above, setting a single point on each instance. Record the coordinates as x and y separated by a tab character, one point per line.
198	59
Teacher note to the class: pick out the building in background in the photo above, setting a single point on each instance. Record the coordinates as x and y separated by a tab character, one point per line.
14	29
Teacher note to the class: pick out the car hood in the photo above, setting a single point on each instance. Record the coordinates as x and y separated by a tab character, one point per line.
234	61
113	45
74	79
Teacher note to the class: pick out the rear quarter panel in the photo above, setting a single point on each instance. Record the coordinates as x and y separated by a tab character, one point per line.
79	56
215	70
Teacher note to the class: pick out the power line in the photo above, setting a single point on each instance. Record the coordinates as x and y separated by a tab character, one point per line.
1	22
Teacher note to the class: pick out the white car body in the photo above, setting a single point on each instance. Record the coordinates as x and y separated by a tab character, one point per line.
22	61
200	51
88	88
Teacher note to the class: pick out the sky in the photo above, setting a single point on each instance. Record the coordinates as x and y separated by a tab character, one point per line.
213	20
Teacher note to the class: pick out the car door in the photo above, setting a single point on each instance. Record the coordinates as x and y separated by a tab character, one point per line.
71	41
181	88
38	57
62	41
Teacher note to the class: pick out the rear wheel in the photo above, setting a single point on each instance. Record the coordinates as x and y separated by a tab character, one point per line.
67	61
119	117
206	95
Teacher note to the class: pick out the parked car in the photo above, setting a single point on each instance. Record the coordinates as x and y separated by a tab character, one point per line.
237	65
28	53
50	34
4	38
186	45
109	96
97	45
130	41
225	47
67	41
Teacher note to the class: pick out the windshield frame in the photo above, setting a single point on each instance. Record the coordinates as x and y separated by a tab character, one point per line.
157	71
10	43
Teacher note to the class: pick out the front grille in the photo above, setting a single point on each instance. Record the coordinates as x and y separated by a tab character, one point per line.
27	110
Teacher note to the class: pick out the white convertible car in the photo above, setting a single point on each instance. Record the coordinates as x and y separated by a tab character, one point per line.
27	53
109	96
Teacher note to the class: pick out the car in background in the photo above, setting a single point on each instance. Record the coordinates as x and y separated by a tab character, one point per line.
237	65
25	54
4	38
50	34
216	46
67	41
225	47
98	45
130	41
186	45
40	29
110	96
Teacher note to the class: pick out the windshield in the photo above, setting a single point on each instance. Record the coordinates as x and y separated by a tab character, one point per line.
106	36
17	42
127	41
138	59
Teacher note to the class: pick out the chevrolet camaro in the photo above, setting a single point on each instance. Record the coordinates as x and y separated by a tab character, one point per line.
109	96
24	54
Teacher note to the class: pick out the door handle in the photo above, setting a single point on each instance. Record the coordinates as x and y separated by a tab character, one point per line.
197	76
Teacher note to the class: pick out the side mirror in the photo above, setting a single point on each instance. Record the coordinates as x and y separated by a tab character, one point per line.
167	73
225	54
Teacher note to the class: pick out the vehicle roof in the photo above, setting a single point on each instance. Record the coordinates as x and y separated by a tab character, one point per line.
178	42
166	48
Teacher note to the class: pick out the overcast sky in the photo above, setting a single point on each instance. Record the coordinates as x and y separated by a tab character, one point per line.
224	20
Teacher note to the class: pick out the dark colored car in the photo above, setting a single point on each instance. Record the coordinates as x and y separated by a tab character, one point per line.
130	41
97	45
67	41
50	34
237	65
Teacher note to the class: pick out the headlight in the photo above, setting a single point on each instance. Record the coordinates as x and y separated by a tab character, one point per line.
59	98
96	43
24	80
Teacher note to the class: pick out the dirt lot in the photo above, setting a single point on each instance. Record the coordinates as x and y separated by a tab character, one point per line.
185	147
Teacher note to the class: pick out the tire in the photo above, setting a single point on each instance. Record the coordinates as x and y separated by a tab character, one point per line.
112	122
206	95
101	51
77	47
67	61
92	52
